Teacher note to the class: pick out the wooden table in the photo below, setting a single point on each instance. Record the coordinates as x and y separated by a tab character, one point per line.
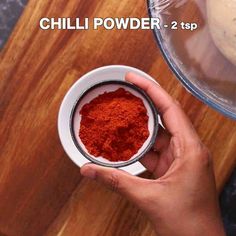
41	190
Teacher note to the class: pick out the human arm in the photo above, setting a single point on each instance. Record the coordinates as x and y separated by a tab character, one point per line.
182	199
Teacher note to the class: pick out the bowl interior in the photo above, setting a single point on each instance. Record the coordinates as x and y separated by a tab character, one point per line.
97	90
193	55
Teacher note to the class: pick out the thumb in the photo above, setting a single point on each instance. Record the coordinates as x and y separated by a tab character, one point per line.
130	186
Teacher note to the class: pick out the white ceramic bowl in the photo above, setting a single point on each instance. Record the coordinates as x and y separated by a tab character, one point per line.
70	107
109	86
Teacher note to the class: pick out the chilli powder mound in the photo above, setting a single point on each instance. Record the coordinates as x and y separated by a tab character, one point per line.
114	125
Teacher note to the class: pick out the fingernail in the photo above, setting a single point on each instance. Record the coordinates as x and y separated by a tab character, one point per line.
88	173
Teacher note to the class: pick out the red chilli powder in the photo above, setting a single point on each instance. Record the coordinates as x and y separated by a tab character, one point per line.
114	125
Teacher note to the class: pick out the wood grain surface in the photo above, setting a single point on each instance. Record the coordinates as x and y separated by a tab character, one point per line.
41	190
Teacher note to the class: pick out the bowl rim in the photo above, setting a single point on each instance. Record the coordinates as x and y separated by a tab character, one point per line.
180	75
150	103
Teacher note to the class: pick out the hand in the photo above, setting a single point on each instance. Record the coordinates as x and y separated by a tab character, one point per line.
182	200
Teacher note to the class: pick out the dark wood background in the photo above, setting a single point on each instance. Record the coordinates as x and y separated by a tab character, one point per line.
41	190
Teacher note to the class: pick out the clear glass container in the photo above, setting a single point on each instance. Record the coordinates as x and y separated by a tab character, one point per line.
203	68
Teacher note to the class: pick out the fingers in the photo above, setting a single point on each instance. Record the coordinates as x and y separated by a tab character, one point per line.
176	122
150	160
130	186
158	164
162	140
